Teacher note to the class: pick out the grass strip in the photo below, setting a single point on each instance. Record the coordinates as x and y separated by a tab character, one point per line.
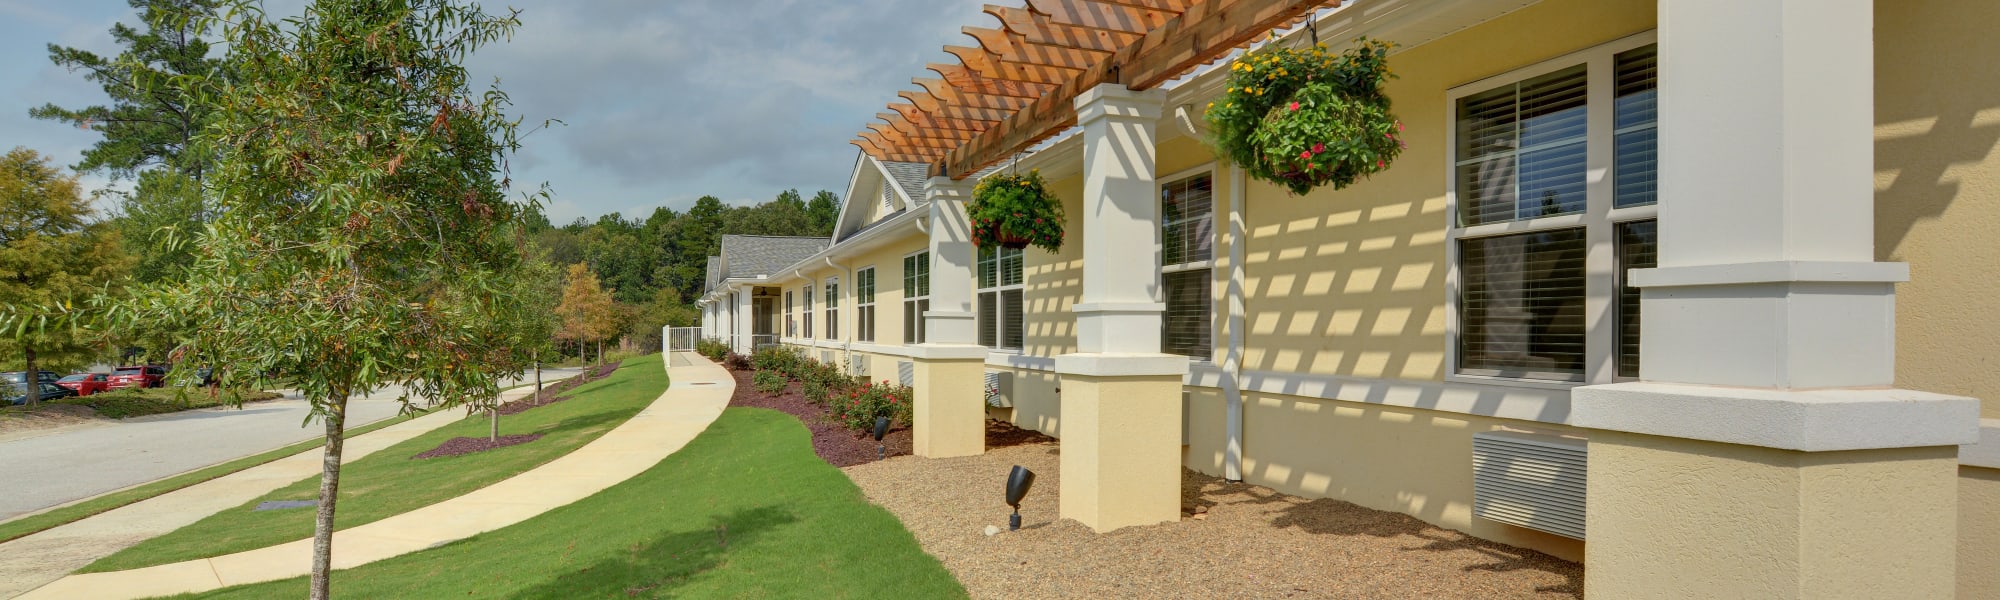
139	402
36	523
389	482
746	510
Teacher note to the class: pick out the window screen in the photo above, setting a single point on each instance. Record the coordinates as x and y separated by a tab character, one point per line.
1521	305
1636	142
1187	324
1187	221
1521	149
1638	248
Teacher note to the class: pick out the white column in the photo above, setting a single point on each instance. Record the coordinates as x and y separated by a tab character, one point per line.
950	319
1764	454
745	321
1120	307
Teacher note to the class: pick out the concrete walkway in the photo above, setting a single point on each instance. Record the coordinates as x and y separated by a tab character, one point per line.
698	393
40	558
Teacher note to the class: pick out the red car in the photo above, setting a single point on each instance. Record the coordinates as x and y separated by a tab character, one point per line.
144	377
85	384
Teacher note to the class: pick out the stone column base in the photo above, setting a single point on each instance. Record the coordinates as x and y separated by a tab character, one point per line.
1718	492
1121	442
950	397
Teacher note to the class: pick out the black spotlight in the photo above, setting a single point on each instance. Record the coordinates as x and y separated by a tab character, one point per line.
881	429
1018	483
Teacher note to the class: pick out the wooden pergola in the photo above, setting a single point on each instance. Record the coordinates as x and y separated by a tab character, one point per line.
1016	87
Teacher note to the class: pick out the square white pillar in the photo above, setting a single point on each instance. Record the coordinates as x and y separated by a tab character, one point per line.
745	321
950	319
1765	455
1120	307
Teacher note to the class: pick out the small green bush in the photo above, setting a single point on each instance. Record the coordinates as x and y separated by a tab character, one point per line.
735	362
769	382
857	411
780	360
712	348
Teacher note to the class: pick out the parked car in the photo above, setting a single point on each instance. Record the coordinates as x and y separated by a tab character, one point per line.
85	384
17	377
47	391
143	377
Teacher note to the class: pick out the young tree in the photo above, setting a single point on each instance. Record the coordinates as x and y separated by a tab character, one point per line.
50	252
587	310
362	234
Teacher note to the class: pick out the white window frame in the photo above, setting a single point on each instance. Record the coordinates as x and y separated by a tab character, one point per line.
806	310
832	287
1216	221
999	290
1599	219
866	304
910	301
791	323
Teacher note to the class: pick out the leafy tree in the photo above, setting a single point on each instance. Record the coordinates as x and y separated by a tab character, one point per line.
49	253
149	121
822	211
361	235
588	313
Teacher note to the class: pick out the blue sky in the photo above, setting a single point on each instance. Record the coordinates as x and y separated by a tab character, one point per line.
664	101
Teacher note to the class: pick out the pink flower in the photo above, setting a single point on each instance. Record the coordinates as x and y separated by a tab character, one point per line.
1295	106
1381	164
1306	154
1321	147
1399	126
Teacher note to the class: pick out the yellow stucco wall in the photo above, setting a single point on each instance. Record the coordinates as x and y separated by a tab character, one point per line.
1766	523
1937	181
1978	532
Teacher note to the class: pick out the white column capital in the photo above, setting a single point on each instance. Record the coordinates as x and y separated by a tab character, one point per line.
1119	309
1115	101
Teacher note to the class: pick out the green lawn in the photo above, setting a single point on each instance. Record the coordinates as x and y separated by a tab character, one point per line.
76	512
389	482
746	510
135	402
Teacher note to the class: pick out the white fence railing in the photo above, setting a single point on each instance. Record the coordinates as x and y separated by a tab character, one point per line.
680	339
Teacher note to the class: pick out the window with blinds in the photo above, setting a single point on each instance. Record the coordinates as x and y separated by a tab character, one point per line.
1638	248
1001	315
1528	296
1187	233
1636	141
916	295
1522	148
806	311
864	305
1521	308
832	308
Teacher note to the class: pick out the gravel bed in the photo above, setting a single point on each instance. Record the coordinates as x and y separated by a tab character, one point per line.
837	445
1233	540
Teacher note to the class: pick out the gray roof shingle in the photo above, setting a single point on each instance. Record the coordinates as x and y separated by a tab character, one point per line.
909	176
714	273
749	256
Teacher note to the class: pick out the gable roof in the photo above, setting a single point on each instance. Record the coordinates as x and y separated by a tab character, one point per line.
714	275
753	256
908	176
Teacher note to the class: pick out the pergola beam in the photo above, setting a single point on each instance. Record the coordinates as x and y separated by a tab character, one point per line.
1205	32
1040	30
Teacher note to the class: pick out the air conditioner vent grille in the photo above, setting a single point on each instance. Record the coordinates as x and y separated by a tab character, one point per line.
1532	481
906	372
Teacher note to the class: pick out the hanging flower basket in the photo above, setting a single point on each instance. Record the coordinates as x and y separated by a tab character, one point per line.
1011	210
1302	118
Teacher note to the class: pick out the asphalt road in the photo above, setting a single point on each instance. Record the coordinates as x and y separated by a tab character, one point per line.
71	464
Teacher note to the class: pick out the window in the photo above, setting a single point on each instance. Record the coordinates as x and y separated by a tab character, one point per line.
832	308
1531	300
1000	284
1187	228
806	311
864	305
916	295
790	329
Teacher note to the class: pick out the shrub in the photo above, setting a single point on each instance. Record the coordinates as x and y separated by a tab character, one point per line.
1011	210
779	360
857	411
822	381
1304	118
712	348
769	382
735	362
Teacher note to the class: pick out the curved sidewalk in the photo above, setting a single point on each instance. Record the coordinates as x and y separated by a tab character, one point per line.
39	558
698	392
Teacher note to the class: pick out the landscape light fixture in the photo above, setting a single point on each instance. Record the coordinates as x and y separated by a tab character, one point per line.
1018	483
881	429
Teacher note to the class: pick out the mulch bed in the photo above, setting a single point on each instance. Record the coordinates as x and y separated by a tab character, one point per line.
466	445
557	392
837	445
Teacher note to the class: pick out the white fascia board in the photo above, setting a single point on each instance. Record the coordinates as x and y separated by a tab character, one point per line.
847	200
862	242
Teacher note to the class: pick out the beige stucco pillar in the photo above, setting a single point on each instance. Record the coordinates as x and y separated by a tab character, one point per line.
1765	453
950	365
1120	396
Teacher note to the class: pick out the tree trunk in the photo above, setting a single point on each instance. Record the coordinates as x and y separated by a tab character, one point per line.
538	376
30	384
329	491
493	427
600	352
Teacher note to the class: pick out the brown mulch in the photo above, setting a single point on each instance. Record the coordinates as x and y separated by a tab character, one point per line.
837	445
1234	540
467	445
558	391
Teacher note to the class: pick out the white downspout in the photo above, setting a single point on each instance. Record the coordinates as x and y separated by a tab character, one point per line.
1232	358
